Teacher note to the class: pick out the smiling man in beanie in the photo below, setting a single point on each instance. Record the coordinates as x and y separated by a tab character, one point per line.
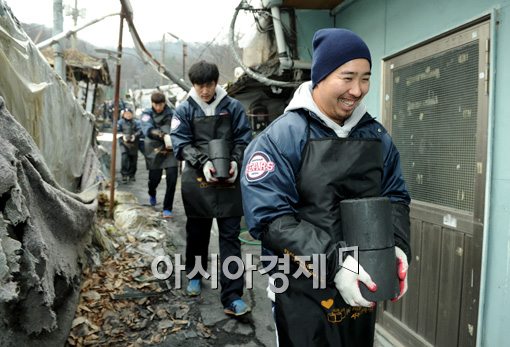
324	149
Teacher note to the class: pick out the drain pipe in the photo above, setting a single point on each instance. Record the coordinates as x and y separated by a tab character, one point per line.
281	45
58	50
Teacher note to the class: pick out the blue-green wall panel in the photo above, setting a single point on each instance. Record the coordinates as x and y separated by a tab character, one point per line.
497	296
390	26
501	165
307	22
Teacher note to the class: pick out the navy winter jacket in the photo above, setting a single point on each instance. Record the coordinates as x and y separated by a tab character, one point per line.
183	122
274	194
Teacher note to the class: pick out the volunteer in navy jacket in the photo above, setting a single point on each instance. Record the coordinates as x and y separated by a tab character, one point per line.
325	148
158	151
131	133
210	114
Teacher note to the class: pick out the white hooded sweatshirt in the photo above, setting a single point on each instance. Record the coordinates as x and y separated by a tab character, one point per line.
303	99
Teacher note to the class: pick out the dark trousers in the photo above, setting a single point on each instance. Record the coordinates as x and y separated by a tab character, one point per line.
198	232
171	181
128	164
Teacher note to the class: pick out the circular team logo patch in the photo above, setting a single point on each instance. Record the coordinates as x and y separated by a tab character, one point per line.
259	166
146	118
175	123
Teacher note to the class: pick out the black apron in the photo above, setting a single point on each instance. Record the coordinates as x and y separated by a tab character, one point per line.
156	154
210	200
332	169
129	147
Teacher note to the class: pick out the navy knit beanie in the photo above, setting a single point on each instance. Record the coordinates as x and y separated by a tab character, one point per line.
127	109
334	47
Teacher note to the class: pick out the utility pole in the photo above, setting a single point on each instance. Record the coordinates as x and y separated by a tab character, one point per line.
74	13
116	116
75	23
163	44
58	27
184	52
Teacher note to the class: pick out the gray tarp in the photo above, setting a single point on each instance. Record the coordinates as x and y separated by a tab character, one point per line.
45	152
40	100
43	232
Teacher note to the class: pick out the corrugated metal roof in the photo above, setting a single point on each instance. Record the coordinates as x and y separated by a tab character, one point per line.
91	68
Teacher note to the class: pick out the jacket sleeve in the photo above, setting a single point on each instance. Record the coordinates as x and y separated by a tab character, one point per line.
289	235
182	138
119	125
241	132
394	187
149	127
138	129
147	123
269	193
194	157
401	227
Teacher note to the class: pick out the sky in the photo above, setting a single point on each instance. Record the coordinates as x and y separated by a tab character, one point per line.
191	20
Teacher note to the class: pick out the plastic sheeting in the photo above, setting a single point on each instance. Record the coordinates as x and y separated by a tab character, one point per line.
42	103
261	47
46	155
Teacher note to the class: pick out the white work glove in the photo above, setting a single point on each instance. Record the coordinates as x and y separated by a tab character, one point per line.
209	170
347	282
402	267
232	172
168	141
270	294
133	138
125	138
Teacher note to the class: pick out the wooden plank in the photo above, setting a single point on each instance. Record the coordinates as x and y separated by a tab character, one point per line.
429	279
379	312
434	214
404	335
408	302
390	308
395	309
450	288
470	291
409	311
384	338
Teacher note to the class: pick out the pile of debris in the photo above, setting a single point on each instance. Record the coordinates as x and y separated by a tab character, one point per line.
121	302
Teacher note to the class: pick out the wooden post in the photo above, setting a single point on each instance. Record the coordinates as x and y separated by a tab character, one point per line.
115	118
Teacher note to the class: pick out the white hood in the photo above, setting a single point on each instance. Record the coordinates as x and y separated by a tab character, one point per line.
303	99
209	109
